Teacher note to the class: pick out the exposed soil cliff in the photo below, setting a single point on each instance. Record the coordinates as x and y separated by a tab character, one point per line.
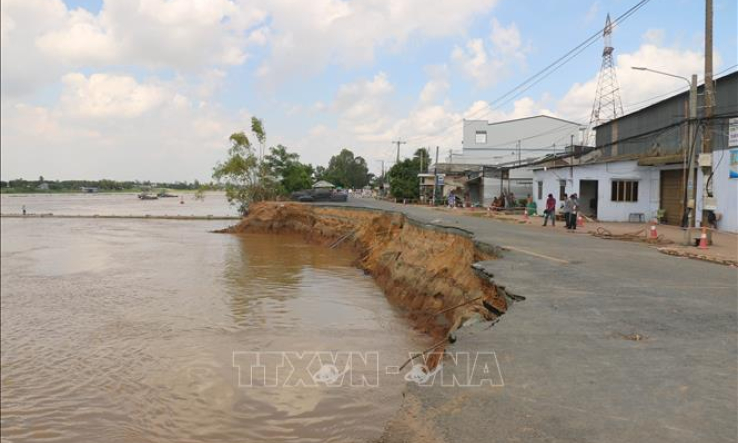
426	270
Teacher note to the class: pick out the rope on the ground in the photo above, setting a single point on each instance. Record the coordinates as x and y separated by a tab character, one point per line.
639	235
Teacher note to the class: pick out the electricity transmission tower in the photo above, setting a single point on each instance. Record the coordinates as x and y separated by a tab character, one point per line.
607	104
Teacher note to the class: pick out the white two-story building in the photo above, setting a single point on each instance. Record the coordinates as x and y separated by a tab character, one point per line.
509	143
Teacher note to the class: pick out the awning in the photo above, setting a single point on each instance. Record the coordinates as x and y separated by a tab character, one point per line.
661	160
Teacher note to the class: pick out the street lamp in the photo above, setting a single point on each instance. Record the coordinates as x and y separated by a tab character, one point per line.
641	68
691	172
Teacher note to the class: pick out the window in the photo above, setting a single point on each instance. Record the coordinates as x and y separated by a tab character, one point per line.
562	190
481	137
624	191
540	190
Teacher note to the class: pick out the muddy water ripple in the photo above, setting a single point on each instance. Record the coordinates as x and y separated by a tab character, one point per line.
124	331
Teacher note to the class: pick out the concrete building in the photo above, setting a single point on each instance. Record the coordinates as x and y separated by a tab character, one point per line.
638	167
502	146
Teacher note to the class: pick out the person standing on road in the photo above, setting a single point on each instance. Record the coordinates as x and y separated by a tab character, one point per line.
574	211
550	211
566	209
24	209
451	200
570	212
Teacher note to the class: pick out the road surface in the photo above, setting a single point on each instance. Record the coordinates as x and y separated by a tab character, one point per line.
615	342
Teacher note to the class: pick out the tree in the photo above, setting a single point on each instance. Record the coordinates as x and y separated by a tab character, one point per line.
423	157
285	167
240	174
403	176
403	179
279	159
257	127
347	171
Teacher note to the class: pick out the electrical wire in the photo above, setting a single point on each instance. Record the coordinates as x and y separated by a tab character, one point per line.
546	71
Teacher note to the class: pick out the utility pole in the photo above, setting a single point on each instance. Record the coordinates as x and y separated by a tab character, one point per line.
519	153
398	142
691	149
420	171
451	156
709	86
435	177
709	109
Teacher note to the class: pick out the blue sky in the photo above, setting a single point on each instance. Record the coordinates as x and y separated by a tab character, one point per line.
152	89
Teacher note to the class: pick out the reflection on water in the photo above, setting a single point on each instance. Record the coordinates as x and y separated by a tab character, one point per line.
124	330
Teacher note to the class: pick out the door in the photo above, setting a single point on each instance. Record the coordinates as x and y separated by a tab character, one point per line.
588	197
672	195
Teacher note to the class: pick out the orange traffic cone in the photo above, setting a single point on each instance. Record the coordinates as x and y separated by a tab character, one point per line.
703	238
580	221
654	234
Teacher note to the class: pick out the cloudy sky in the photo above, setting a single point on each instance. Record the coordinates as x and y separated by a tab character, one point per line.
151	89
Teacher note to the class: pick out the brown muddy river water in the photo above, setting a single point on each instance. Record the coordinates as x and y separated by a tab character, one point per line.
147	330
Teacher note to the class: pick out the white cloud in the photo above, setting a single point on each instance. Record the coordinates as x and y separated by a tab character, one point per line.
506	40
114	126
437	86
487	62
43	39
308	36
22	67
180	34
476	64
82	38
362	106
104	95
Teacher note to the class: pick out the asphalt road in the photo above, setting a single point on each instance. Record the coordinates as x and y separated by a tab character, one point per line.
571	368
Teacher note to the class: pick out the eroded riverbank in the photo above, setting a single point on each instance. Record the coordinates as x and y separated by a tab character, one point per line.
427	270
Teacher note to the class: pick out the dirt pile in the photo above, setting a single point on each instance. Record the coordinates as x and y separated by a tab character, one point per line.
426	270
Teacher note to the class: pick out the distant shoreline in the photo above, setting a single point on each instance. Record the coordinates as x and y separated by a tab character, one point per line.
137	217
76	192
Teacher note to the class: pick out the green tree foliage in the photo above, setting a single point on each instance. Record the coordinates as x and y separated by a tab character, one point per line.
104	185
403	176
347	171
242	175
423	157
286	168
257	127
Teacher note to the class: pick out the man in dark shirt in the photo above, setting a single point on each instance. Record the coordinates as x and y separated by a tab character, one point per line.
550	211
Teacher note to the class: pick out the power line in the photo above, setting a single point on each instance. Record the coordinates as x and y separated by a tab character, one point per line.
648	102
548	70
